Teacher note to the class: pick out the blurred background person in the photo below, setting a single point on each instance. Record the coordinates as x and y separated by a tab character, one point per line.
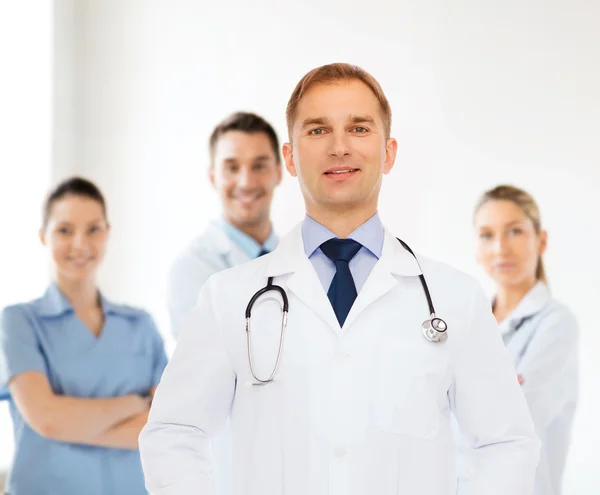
245	169
80	369
541	334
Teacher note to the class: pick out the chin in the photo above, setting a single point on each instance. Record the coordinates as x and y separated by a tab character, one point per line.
508	280
75	275
343	200
247	218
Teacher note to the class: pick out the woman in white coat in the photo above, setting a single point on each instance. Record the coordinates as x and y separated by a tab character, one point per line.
540	333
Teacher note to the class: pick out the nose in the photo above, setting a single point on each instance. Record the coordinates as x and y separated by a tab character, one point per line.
79	240
246	178
500	245
339	145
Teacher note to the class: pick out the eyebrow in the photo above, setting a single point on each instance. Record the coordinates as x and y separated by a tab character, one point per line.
355	119
314	121
71	224
262	158
234	159
509	224
359	119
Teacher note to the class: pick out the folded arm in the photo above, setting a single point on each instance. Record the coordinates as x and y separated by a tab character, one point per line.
69	419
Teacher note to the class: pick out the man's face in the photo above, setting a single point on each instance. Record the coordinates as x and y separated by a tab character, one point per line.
245	173
339	150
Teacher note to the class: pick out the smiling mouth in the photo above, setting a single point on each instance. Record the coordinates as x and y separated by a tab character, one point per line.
80	261
504	266
248	199
342	171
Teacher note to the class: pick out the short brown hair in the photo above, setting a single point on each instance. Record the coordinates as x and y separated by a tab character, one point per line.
247	122
525	201
333	73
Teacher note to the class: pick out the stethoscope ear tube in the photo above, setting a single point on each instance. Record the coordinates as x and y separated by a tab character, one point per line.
284	319
264	290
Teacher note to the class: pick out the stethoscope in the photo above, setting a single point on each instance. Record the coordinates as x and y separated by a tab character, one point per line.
434	329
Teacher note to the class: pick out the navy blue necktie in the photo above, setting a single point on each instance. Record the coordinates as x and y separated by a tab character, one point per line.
263	251
342	291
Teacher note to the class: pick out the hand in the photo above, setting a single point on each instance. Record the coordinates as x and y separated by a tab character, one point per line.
520	379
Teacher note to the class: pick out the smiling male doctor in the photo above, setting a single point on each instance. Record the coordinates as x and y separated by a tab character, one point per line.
361	403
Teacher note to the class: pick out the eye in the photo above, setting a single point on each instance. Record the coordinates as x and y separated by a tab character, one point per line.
486	236
259	167
231	169
317	132
94	229
64	230
360	130
515	231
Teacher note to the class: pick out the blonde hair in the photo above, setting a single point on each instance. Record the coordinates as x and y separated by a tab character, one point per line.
333	73
525	201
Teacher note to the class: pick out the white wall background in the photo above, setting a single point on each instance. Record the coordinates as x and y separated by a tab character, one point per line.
25	159
482	92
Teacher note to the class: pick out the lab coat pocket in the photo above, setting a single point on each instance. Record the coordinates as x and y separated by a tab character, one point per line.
407	392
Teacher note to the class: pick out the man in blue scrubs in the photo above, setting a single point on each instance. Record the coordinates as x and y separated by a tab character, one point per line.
245	169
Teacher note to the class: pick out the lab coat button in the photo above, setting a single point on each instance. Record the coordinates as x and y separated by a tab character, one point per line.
341	354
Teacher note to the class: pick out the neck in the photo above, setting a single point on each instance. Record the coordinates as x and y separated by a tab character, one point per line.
509	297
82	294
260	231
344	221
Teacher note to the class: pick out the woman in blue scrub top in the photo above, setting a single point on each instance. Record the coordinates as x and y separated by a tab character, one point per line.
540	333
81	370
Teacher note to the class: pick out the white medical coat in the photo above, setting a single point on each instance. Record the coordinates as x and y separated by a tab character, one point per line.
359	410
207	254
544	351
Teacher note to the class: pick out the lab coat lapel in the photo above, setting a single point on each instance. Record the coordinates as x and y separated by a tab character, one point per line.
307	287
304	283
532	303
395	260
230	253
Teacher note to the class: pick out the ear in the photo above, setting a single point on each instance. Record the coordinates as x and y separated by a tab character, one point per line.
391	148
42	236
288	156
543	236
211	175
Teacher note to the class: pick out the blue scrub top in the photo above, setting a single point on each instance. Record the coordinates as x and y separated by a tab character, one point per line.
128	357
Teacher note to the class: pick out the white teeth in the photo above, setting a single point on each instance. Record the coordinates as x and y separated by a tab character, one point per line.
341	171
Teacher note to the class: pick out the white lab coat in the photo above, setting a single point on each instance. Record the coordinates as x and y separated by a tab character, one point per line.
544	350
360	410
207	254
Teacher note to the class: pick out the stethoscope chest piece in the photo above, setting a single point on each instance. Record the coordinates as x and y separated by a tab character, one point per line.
435	330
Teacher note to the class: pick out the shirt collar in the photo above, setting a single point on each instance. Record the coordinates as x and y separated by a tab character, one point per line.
370	234
532	303
245	242
54	303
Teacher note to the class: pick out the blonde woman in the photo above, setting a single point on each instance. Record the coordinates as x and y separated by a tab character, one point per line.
540	333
